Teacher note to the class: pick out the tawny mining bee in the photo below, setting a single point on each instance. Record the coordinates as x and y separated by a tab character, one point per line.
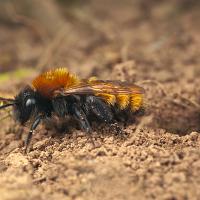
57	92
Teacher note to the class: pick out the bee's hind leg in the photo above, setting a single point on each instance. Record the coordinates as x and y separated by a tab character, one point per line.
99	108
104	113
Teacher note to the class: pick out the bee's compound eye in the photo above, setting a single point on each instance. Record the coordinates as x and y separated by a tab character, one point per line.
30	102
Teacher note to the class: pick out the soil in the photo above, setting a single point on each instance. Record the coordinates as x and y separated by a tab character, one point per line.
155	44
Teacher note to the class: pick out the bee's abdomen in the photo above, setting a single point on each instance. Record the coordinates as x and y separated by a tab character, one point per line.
123	101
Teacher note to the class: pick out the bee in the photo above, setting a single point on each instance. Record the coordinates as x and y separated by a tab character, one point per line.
58	92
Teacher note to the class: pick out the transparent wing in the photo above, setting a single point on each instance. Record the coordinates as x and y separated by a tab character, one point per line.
101	87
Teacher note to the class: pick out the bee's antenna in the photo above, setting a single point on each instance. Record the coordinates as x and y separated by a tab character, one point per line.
6	105
6	99
6	102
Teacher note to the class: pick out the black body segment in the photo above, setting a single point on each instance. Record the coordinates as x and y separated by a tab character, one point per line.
60	106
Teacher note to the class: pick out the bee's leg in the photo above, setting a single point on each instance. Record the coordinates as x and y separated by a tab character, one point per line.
33	127
99	108
80	116
103	112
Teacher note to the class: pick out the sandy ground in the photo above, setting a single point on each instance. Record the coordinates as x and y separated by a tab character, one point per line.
156	45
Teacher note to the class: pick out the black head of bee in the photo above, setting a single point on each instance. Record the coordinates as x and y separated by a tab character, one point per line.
25	105
28	105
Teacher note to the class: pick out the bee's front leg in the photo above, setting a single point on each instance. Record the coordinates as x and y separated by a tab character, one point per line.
30	134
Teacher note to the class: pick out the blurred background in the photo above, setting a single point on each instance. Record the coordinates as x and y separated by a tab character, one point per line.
90	37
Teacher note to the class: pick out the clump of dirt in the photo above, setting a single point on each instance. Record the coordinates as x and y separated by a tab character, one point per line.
154	44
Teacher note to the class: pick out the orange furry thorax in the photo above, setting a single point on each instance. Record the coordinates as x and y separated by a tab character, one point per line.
52	80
